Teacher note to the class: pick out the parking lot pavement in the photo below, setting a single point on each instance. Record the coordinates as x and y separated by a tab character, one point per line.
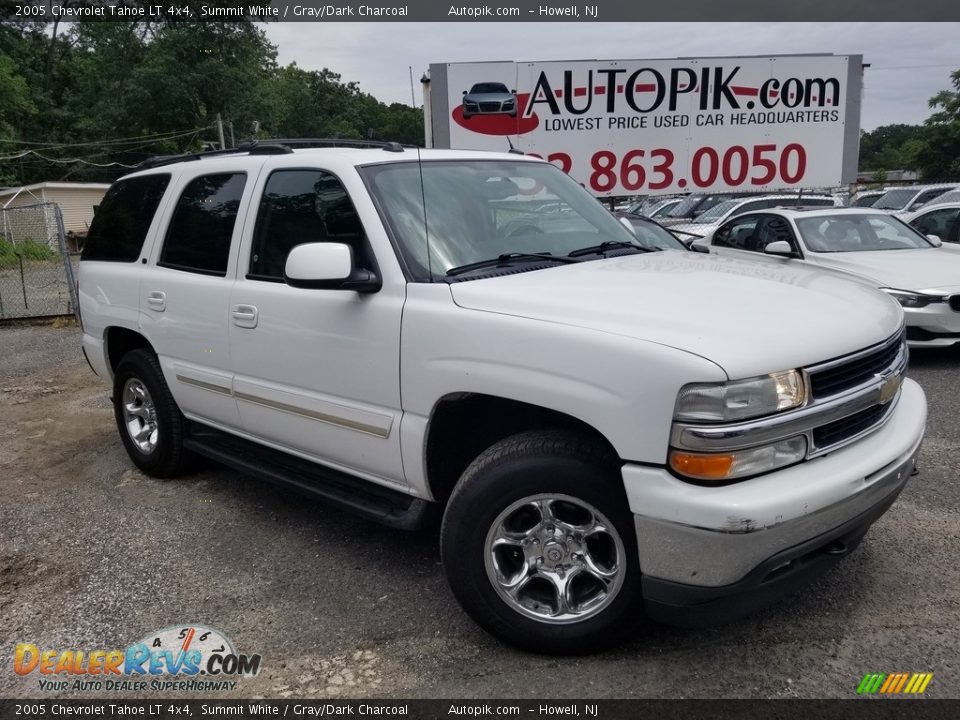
95	555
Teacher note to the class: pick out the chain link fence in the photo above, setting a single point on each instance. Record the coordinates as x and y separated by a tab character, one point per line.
36	268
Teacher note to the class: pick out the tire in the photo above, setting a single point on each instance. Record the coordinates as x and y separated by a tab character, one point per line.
150	423
502	501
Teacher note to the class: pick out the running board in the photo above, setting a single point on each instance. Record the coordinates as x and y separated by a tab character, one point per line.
361	497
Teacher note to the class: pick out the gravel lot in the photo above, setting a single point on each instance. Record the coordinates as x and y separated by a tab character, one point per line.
94	554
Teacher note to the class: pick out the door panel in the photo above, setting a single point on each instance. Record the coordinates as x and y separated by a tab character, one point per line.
319	370
185	296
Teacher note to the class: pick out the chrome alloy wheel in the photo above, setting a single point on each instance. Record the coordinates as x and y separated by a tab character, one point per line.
555	558
140	416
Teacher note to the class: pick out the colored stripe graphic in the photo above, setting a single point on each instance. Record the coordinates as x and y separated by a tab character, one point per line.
894	683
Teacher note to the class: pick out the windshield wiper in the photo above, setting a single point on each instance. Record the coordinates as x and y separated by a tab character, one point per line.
609	245
507	259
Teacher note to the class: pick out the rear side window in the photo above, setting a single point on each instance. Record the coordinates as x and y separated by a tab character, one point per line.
123	218
198	239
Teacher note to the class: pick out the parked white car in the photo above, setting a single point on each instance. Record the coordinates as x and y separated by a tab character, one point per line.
607	431
902	200
707	222
874	247
939	220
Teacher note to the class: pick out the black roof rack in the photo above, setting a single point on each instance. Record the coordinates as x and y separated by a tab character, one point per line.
279	146
251	148
387	145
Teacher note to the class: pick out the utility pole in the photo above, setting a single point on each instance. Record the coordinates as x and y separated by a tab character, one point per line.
413	98
223	144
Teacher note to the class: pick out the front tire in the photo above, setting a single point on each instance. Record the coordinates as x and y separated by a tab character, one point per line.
539	547
150	423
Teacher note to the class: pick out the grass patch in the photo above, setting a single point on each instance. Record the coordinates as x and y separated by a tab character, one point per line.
10	254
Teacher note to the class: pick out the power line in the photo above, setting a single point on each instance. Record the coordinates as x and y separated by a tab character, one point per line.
85	160
907	67
156	137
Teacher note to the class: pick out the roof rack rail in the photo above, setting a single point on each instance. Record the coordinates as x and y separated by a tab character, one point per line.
252	148
387	145
273	146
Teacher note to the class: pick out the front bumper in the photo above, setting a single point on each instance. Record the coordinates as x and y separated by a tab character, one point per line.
713	554
936	325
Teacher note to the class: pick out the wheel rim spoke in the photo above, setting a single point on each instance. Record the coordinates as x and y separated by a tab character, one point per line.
555	558
139	415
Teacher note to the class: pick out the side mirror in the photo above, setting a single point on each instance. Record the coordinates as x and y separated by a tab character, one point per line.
327	266
464	92
935	239
780	247
513	92
700	248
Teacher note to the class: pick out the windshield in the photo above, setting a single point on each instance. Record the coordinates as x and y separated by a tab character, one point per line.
468	211
664	209
489	88
865	201
649	234
685	207
715	213
895	199
859	233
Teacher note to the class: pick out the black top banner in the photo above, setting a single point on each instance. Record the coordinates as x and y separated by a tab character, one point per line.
506	709
499	11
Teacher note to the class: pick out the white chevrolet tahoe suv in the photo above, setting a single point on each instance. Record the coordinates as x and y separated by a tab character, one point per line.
608	432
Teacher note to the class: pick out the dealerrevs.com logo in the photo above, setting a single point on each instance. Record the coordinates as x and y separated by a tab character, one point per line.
177	658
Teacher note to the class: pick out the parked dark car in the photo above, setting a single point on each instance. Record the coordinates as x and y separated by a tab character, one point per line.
489	98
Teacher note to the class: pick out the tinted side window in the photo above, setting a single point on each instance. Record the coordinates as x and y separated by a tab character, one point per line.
123	218
198	239
928	195
736	234
937	222
302	206
771	229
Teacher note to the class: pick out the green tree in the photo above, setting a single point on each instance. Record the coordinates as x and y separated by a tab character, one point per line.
118	92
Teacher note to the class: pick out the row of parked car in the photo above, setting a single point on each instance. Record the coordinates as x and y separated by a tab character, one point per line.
902	253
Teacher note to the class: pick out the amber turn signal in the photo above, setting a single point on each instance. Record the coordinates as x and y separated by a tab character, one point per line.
702	467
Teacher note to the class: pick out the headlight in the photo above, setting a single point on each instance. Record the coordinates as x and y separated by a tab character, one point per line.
912	299
741	399
719	467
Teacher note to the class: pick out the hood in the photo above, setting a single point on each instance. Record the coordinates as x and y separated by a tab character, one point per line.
748	318
925	269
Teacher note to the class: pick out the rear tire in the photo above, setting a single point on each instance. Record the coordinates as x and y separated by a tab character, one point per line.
539	547
150	423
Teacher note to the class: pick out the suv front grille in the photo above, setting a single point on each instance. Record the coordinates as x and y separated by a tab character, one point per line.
839	377
849	427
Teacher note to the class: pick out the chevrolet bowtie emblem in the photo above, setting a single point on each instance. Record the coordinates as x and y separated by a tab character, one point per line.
889	388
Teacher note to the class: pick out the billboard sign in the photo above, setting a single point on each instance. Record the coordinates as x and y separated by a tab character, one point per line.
623	127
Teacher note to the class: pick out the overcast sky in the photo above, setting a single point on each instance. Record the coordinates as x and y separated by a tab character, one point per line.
910	62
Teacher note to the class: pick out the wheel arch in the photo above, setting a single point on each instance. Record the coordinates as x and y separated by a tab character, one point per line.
119	341
463	425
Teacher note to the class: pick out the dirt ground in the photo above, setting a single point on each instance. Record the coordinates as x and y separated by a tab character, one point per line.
94	555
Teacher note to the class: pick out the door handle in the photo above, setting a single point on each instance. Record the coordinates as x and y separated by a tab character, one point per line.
245	316
157	300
